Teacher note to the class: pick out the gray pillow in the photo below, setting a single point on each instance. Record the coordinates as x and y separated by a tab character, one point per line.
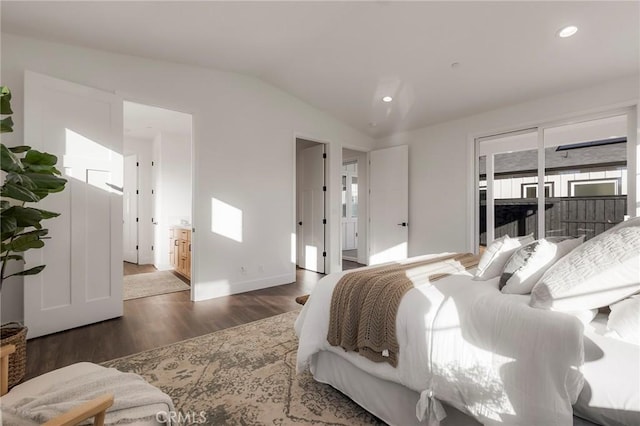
523	256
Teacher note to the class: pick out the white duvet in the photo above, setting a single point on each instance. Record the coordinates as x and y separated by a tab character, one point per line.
464	342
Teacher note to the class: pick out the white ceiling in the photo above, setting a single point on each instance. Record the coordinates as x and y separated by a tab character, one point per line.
342	57
145	121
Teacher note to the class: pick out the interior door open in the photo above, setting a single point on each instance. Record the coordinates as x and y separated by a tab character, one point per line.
130	218
389	204
82	281
311	227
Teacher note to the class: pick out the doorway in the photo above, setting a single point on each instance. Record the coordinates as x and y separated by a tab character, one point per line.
157	200
353	229
311	199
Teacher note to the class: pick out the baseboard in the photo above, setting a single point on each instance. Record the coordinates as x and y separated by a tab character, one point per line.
204	291
352	259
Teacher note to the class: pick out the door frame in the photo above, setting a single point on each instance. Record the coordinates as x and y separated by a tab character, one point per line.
137	207
363	200
158	103
332	261
326	204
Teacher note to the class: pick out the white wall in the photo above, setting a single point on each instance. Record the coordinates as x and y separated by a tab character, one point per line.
441	206
172	165
142	148
243	132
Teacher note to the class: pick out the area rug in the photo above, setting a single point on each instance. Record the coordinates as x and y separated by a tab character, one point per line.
152	284
244	376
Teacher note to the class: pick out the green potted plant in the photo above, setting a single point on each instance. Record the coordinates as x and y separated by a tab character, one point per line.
28	176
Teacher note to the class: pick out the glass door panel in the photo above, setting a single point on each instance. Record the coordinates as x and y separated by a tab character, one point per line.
586	164
508	186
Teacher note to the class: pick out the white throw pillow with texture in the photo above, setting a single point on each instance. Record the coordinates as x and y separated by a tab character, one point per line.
497	254
624	319
598	273
527	265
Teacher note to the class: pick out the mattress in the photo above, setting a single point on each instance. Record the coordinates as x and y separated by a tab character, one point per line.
392	403
611	393
465	343
609	367
610	397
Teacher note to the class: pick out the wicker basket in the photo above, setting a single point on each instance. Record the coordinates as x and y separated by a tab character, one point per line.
14	333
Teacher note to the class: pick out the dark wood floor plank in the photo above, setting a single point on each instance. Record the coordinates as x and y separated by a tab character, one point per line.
155	321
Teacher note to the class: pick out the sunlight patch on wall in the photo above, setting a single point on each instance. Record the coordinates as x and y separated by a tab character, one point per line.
226	220
92	163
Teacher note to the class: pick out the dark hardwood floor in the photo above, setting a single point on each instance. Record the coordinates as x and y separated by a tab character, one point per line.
155	321
348	264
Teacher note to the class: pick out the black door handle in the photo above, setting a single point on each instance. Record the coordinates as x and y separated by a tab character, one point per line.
300	223
403	224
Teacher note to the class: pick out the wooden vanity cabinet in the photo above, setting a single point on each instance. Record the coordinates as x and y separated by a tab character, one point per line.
180	251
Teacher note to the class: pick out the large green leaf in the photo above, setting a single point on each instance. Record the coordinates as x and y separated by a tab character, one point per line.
40	233
6	125
42	158
49	182
4	204
46	214
22	180
12	257
24	243
25	216
8	224
32	271
5	100
19	149
38	168
17	192
10	163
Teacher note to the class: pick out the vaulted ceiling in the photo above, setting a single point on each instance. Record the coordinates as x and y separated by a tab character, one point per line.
343	57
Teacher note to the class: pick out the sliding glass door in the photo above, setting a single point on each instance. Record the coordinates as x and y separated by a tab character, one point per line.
554	180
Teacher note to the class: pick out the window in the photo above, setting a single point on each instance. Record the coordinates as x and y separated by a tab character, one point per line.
530	190
594	187
584	158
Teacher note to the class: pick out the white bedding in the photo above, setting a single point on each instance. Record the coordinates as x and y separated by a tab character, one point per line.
486	353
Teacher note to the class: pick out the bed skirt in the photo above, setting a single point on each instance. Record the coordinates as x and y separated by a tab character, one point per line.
390	402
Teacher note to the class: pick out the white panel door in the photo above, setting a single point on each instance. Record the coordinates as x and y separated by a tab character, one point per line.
82	281
389	204
130	209
312	203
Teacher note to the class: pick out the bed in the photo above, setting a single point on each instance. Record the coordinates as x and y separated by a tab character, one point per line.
470	354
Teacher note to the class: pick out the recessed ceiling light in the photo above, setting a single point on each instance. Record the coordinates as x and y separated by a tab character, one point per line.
387	99
567	31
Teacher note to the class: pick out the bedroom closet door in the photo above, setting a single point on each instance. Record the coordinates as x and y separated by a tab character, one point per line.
311	252
82	281
389	204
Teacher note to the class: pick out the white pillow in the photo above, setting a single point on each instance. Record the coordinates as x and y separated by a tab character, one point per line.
585	317
528	263
624	319
598	273
497	254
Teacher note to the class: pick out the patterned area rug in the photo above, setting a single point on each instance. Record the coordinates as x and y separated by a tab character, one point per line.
244	376
152	284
